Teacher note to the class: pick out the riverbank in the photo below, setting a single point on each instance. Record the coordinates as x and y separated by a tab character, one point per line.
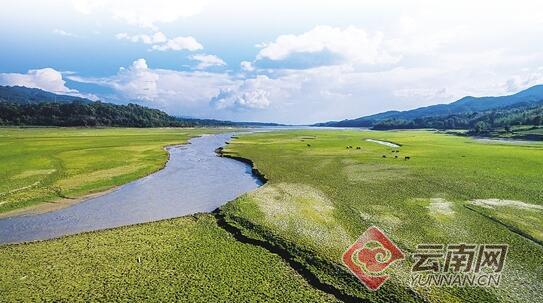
321	196
318	199
54	168
193	181
175	260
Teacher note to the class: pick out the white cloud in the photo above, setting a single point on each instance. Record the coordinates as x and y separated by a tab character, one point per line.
136	82
396	55
178	92
160	42
528	78
207	61
47	79
260	93
142	13
352	44
179	43
247	66
63	33
252	94
155	38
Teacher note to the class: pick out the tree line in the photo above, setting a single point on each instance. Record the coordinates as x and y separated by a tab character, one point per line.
476	122
92	114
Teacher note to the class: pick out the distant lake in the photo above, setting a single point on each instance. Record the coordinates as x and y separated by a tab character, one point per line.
194	180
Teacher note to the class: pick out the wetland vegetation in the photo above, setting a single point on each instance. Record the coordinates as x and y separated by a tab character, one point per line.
319	197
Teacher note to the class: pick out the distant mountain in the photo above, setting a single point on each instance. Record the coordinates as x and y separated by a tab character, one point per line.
30	106
530	96
25	95
502	120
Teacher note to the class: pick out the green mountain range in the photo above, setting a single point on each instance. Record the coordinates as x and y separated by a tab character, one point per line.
31	106
532	96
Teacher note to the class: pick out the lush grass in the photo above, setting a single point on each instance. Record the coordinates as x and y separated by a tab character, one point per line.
188	259
48	164
320	198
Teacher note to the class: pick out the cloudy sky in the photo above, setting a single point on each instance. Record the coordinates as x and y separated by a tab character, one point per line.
282	61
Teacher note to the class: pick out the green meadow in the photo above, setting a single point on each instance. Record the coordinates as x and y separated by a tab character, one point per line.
319	198
186	259
39	165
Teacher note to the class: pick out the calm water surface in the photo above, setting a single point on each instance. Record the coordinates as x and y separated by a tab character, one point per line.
194	180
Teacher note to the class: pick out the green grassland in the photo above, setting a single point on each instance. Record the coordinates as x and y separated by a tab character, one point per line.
321	197
187	259
317	201
40	165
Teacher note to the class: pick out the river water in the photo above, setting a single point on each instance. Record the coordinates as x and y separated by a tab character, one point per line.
194	180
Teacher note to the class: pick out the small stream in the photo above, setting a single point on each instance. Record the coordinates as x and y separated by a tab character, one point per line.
194	180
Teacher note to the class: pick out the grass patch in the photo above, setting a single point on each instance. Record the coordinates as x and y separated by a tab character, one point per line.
187	259
42	165
318	200
420	200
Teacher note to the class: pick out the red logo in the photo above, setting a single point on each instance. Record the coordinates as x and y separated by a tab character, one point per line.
370	255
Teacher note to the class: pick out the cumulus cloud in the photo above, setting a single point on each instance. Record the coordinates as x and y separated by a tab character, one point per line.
137	81
160	42
179	43
247	66
47	79
142	13
412	55
206	61
258	93
250	95
352	44
155	38
178	92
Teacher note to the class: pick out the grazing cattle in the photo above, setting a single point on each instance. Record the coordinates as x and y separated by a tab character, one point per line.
396	157
308	145
384	156
358	147
407	158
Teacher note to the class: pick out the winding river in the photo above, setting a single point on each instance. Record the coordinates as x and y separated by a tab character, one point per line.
194	180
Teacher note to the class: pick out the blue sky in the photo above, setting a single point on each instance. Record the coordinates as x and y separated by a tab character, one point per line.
283	61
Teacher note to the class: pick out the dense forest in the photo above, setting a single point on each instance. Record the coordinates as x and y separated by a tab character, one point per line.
460	114
476	122
93	114
21	106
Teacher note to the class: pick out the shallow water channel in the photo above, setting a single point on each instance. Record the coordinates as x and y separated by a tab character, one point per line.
194	180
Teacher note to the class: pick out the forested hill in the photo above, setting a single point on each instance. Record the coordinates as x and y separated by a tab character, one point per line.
28	106
25	95
466	105
85	114
477	122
